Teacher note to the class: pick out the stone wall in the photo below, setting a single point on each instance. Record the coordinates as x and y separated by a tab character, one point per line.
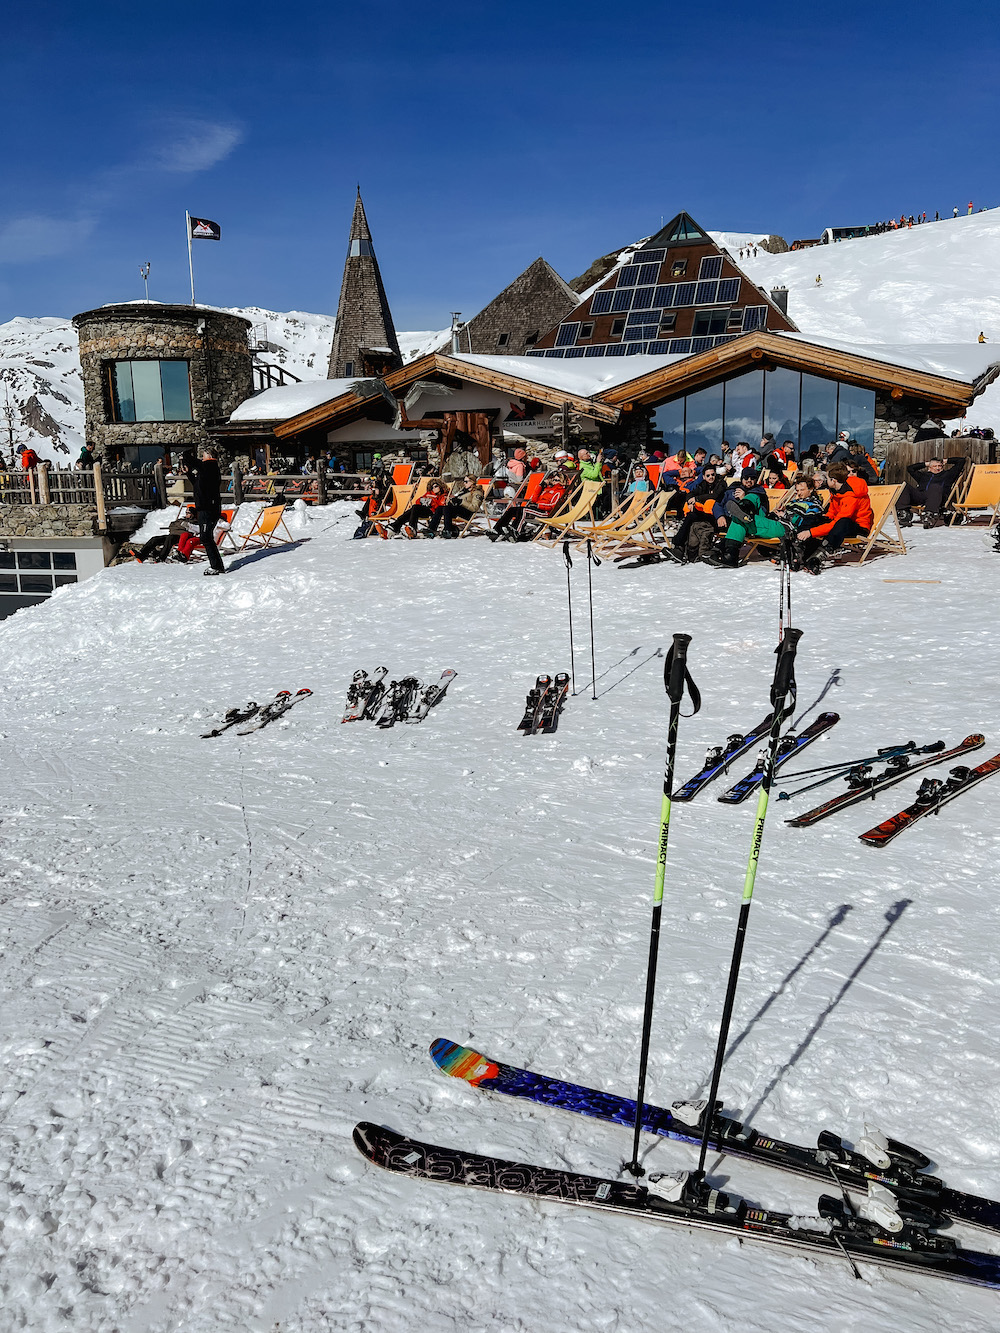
213	344
897	420
48	520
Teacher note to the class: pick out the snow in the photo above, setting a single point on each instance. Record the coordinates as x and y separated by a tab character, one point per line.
288	400
219	955
414	345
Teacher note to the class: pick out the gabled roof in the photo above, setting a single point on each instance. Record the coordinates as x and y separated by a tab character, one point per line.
356	401
681	230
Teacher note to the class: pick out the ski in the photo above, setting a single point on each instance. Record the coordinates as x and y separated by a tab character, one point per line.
863	788
431	697
552	705
874	1159
233	717
664	555
721	756
278	707
359	691
399	701
931	796
788	747
375	698
885	1231
533	703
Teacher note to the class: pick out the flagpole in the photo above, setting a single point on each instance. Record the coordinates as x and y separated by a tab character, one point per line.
187	219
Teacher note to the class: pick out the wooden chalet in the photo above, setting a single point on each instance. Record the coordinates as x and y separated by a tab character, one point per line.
679	293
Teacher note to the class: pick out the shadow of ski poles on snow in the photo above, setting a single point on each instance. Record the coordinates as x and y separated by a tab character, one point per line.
891	917
645	661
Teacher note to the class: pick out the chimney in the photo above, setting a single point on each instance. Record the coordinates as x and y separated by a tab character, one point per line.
779	295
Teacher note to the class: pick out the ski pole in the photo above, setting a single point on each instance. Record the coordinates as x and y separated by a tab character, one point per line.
782	686
592	560
886	756
569	599
675	676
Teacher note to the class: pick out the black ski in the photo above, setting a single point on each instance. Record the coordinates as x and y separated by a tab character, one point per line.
533	703
874	1159
399	701
788	747
862	787
235	716
932	795
430	697
902	1237
552	704
721	756
278	707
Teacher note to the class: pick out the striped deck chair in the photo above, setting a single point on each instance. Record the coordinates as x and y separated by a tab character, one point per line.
554	528
977	489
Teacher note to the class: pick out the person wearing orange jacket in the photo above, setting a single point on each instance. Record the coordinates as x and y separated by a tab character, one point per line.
849	515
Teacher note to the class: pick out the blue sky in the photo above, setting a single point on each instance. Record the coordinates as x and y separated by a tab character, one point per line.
482	136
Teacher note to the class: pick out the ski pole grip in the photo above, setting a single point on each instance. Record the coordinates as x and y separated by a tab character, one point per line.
784	671
566	554
675	667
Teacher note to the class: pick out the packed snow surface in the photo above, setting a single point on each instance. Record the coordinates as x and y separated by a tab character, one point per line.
221	954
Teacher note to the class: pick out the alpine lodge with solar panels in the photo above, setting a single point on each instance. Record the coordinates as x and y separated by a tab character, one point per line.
680	293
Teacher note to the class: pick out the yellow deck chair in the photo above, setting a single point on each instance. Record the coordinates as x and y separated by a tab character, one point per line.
978	489
554	528
638	537
883	502
265	532
629	509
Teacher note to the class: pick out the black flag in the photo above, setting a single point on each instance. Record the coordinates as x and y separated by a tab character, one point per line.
204	230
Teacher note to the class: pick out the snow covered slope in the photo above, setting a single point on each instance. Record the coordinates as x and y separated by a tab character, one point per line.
220	954
932	284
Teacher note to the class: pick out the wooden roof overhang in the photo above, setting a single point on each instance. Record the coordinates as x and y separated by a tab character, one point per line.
761	349
350	406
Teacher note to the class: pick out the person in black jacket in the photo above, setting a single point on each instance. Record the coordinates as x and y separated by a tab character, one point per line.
206	479
929	484
694	539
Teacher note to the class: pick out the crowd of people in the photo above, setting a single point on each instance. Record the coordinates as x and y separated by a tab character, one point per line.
717	501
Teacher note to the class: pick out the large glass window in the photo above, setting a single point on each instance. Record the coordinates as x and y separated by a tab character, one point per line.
781	404
704	420
149	390
668	421
745	408
819	411
856	414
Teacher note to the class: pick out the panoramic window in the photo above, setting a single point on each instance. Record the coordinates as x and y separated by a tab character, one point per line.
149	390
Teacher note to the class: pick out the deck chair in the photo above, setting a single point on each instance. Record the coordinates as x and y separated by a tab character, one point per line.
265	532
402	474
555	527
977	489
401	498
637	537
883	502
629	510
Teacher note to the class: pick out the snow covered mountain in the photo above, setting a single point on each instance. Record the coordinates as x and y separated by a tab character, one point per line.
931	284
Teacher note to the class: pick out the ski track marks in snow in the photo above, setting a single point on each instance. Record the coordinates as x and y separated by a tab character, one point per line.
220	954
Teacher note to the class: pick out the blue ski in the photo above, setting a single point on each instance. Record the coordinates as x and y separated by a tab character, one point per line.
788	747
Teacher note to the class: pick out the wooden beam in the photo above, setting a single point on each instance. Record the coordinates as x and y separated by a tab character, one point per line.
704	368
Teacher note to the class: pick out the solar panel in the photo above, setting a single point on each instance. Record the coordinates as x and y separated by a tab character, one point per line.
706	292
567	334
724	338
628	276
659	348
729	290
754	317
555	351
651	256
680	344
664	297
644	298
635	349
615	349
701	344
600	350
711	267
684	294
648	272
601	303
574	351
622	299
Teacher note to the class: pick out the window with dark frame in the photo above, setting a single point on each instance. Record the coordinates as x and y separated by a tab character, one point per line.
148	390
678	268
709	321
617	328
503	339
586	331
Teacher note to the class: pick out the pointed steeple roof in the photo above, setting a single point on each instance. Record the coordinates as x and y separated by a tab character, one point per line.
681	230
364	339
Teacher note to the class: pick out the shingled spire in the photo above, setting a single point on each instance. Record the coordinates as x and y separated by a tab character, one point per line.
364	339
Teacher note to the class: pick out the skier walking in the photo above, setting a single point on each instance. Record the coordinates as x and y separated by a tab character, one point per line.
206	480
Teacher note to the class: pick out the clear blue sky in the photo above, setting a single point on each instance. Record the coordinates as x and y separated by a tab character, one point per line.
482	136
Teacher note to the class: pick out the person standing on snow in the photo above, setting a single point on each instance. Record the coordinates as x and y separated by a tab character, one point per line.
206	480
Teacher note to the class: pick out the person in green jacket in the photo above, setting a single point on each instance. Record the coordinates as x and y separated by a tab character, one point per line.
591	469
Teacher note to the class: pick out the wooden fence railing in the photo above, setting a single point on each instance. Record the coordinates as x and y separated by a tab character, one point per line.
900	456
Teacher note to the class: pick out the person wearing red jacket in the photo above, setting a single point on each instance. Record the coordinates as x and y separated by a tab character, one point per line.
511	524
433	498
849	515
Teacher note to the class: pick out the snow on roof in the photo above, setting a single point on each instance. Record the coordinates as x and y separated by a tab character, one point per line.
967	362
288	400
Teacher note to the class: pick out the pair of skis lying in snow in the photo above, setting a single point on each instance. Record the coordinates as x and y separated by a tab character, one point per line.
544	704
260	714
895	1222
406	700
863	785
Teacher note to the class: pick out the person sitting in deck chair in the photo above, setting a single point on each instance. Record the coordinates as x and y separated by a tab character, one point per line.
514	525
928	484
849	515
464	503
434	498
695	537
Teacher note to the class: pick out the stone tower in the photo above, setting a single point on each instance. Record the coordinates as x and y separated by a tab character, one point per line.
364	339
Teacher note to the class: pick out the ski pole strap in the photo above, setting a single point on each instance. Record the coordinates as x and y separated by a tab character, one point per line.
566	555
676	674
590	552
784	671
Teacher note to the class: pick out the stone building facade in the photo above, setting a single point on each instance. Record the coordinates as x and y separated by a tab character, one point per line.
897	420
140	400
514	320
364	337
